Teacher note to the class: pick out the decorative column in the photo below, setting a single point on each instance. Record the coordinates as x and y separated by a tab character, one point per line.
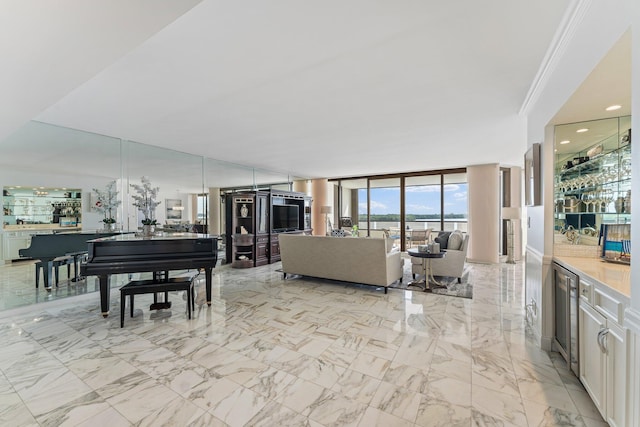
484	213
320	198
213	225
301	186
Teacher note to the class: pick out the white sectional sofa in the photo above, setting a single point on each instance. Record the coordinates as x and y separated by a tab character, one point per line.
368	261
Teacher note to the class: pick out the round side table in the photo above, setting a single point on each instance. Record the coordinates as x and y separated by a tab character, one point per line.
426	268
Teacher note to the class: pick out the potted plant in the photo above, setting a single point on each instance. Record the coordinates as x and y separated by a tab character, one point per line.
146	203
106	203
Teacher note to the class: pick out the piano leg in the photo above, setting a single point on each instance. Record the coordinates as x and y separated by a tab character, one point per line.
47	272
207	274
105	292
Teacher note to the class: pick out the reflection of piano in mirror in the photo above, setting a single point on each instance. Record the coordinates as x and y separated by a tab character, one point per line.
132	254
47	247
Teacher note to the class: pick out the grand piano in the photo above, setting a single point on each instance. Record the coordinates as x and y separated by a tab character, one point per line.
133	254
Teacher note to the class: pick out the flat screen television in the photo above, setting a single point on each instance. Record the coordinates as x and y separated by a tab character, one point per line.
285	218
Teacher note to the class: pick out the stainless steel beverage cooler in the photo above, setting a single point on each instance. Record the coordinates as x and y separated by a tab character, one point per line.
565	292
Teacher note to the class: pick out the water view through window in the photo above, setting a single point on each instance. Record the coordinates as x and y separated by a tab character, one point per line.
439	202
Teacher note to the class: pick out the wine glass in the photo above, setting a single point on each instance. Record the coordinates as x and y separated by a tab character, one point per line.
587	200
598	200
607	198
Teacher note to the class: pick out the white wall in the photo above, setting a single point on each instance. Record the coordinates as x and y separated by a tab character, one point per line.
589	34
516	176
603	24
595	31
632	316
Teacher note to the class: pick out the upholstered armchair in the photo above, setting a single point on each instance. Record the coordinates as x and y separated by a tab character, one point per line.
419	237
452	265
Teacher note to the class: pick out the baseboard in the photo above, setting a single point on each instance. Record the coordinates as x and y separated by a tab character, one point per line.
546	343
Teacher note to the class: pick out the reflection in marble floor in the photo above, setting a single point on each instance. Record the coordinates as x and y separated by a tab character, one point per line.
288	353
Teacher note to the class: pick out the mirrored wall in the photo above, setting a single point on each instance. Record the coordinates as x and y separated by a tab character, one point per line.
40	155
593	185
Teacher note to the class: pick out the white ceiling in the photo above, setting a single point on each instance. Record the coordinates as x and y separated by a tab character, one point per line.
314	89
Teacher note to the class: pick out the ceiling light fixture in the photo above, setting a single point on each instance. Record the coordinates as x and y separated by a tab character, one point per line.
566	141
582	130
613	107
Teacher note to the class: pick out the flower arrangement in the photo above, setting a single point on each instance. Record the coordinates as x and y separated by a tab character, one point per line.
107	202
145	200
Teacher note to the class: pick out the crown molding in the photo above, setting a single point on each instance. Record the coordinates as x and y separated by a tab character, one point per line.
564	34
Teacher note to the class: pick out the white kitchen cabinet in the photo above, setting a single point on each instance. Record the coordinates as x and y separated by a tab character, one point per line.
603	363
616	344
592	358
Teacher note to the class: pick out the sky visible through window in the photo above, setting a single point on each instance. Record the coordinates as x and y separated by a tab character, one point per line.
419	199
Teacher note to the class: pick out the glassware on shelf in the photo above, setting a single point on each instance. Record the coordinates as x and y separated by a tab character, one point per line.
607	199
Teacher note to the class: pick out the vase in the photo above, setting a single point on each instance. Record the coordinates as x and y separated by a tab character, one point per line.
109	227
148	230
244	211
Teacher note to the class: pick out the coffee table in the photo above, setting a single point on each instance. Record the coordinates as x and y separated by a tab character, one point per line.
429	281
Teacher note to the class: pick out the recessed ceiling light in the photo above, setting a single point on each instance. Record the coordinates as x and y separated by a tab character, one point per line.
582	130
613	107
566	141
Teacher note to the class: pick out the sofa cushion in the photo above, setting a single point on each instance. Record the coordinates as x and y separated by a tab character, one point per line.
455	240
443	239
339	232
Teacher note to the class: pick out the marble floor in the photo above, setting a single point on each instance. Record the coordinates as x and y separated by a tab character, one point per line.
270	352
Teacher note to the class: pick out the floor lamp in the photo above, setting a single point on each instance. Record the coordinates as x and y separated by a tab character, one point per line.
510	214
326	210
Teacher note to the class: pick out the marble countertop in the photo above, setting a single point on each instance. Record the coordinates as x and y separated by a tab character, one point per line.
611	275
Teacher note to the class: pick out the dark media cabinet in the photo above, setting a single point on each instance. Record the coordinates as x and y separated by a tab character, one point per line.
255	219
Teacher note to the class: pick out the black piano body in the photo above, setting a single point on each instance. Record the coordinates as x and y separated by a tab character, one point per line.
134	254
47	247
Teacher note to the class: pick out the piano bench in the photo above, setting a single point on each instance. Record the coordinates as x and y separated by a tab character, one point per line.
63	260
137	287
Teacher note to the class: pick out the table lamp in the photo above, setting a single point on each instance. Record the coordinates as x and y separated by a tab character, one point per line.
326	210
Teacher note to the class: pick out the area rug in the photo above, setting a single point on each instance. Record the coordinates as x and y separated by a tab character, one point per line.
452	289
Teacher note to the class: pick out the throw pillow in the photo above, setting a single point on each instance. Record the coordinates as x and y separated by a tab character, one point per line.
455	240
338	232
443	239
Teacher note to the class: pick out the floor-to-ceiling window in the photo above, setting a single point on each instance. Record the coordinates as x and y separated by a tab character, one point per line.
385	207
455	207
404	205
423	208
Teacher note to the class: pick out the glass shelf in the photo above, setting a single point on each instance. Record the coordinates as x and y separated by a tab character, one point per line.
592	183
40	205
